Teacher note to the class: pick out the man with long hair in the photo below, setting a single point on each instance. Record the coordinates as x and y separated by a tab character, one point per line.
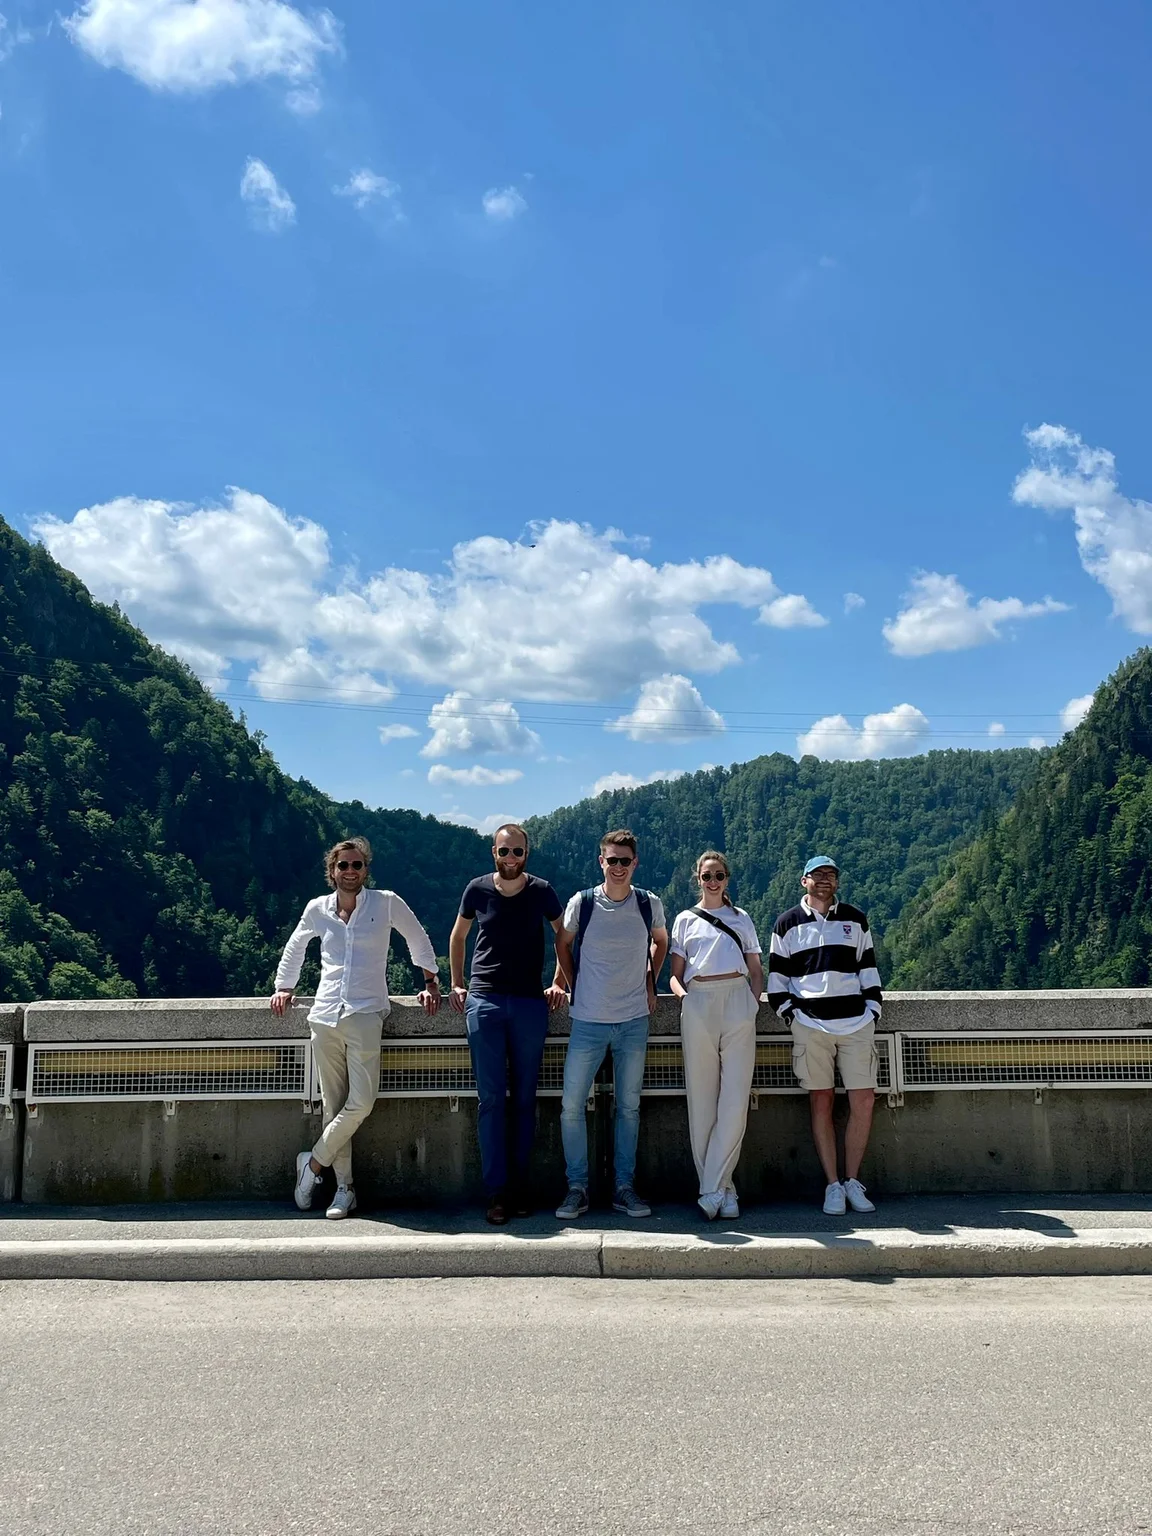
354	925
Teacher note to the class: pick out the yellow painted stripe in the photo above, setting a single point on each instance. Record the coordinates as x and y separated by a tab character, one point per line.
213	1059
1035	1053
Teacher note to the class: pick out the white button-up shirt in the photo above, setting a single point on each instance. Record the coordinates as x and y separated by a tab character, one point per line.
353	954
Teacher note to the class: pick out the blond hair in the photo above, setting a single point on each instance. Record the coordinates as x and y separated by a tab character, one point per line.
359	845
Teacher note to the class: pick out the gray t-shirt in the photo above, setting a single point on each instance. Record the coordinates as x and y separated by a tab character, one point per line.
611	984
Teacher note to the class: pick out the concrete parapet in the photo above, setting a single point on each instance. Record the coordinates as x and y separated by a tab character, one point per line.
11	1018
1082	1010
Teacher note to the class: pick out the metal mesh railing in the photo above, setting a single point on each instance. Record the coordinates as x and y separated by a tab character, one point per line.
1104	1060
664	1066
266	1069
433	1068
7	1061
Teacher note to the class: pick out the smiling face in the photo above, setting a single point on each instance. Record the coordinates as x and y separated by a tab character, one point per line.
510	852
617	861
350	871
823	884
713	878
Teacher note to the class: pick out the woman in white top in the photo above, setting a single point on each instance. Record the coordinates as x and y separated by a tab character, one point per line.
716	969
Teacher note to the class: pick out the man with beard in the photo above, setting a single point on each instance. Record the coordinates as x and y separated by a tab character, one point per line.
506	1010
354	925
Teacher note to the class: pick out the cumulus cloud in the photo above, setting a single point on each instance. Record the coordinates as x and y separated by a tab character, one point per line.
896	733
1075	710
941	616
538	618
852	601
462	725
503	204
488	826
228	581
299	675
996	728
1113	532
670	708
269	206
612	781
791	612
195	45
1037	742
440	773
396	733
365	187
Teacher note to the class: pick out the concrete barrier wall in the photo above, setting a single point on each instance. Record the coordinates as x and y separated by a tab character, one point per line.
423	1150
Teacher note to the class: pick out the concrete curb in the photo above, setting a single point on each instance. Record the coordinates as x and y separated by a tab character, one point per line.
592	1255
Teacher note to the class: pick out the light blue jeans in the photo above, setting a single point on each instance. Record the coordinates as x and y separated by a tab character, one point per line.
588	1044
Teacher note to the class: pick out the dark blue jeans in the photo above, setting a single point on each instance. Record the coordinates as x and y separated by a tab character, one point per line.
506	1038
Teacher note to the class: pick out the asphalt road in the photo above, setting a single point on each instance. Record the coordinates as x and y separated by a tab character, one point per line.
486	1407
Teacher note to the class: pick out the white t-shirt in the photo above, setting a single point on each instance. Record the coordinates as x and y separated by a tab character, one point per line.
707	950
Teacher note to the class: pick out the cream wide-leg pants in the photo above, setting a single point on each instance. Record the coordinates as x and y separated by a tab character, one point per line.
718	1036
348	1061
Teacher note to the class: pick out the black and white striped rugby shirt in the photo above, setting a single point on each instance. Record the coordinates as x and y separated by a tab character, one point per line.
823	969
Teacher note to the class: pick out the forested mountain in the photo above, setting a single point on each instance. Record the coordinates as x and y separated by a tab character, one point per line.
1057	893
148	842
890	823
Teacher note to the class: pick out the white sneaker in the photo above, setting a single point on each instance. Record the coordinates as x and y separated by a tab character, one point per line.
730	1206
834	1200
857	1199
343	1203
306	1180
710	1204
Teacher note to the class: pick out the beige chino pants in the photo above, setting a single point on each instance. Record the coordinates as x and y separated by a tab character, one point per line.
718	1037
348	1061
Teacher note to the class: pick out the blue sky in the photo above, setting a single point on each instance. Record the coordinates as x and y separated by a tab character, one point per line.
491	374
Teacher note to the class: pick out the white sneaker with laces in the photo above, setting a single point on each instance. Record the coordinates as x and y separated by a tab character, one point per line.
857	1199
343	1203
835	1200
730	1206
710	1204
306	1180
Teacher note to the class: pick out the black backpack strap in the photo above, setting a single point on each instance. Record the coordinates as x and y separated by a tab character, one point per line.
716	922
587	906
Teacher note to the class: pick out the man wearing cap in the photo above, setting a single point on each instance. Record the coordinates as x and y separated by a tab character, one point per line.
823	982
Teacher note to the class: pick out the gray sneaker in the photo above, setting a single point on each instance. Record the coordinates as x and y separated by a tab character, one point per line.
629	1203
574	1203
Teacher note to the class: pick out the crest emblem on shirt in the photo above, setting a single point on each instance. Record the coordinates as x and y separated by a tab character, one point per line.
847	930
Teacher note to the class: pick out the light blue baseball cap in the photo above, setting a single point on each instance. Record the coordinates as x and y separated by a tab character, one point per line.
821	861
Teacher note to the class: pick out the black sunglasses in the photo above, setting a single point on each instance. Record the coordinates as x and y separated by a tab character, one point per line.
350	864
516	853
617	859
713	876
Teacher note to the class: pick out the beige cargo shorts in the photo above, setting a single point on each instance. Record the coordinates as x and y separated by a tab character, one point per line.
816	1054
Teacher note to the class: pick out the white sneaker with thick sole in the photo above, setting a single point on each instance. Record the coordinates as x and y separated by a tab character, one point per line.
730	1206
854	1194
306	1180
710	1204
835	1200
343	1203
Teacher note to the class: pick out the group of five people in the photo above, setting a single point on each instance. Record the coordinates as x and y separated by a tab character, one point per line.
610	943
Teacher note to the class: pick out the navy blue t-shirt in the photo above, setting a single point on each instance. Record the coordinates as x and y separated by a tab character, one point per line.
509	953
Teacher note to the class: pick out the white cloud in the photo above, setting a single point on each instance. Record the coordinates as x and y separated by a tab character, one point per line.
11	38
895	733
635	781
1113	532
270	207
305	101
503	204
232	581
941	616
365	187
1037	741
670	708
195	45
440	773
541	618
397	733
299	675
1074	711
852	601
791	612
488	826
462	725
996	728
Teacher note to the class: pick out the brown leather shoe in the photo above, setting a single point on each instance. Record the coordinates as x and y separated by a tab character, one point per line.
497	1212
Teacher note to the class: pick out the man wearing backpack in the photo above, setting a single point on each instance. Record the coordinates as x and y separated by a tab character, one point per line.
612	944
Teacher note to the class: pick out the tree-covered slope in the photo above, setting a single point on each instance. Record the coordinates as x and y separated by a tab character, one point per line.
1057	893
148	841
890	823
